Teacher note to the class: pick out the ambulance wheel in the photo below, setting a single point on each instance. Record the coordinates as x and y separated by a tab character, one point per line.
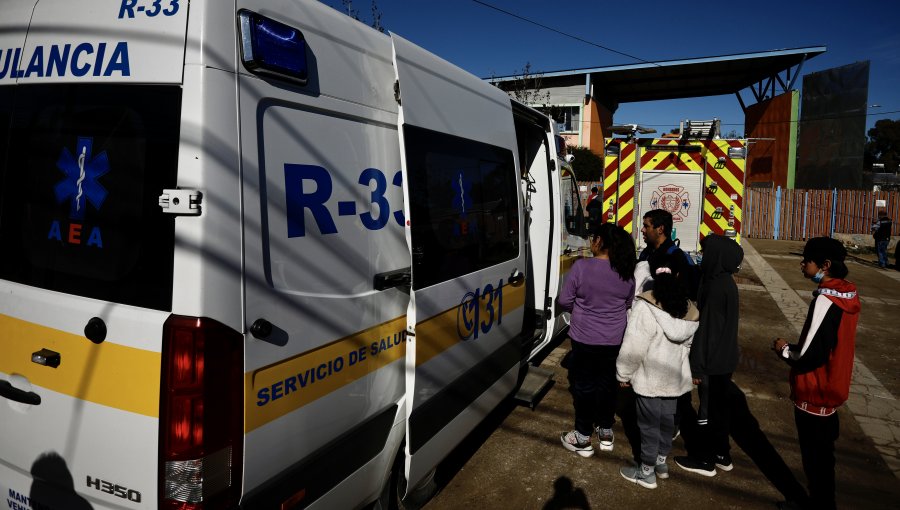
391	497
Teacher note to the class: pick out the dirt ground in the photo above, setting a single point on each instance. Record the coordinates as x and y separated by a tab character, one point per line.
515	460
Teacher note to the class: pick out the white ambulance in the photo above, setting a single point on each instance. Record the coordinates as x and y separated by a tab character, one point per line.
256	254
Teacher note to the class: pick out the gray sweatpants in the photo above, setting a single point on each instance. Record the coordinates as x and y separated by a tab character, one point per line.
656	421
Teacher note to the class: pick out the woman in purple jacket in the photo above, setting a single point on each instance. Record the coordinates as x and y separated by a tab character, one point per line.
598	292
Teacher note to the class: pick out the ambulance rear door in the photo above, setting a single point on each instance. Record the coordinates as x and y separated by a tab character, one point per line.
465	233
90	122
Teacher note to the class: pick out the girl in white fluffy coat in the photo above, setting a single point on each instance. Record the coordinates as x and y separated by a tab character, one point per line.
654	361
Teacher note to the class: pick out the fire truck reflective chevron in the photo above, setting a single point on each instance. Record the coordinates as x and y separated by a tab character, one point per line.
723	207
618	183
644	163
670	154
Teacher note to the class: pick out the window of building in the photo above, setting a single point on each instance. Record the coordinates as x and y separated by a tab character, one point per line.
568	118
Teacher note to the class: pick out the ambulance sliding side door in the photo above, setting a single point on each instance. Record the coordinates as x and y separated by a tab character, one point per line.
465	234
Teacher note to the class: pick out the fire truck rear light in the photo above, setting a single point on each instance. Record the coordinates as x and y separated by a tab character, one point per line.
194	481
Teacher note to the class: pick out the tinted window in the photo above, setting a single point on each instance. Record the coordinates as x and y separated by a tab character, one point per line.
7	99
80	188
463	205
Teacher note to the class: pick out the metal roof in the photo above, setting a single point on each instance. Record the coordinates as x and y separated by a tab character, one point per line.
673	79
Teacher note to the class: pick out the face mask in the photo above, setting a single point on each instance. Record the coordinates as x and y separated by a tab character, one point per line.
819	276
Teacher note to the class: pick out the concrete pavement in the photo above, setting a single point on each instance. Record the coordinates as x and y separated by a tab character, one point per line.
515	459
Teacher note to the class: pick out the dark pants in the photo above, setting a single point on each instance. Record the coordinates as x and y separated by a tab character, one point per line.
705	440
592	382
817	435
626	409
722	395
729	414
656	421
881	248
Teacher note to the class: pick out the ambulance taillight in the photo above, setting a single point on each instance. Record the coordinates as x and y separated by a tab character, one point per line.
201	422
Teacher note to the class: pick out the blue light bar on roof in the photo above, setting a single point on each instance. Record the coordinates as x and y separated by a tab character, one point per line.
272	48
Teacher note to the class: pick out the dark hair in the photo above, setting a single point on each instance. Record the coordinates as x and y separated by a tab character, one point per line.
669	291
594	189
620	246
820	249
661	218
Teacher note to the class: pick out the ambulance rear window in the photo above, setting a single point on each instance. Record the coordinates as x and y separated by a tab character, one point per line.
80	179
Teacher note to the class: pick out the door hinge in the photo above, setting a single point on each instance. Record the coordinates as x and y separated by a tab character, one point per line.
181	201
397	91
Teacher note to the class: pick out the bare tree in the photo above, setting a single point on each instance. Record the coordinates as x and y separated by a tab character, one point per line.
526	88
376	18
347	7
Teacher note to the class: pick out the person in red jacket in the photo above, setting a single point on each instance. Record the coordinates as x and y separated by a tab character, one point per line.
822	363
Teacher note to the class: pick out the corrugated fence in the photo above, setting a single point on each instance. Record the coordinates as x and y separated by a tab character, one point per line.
798	215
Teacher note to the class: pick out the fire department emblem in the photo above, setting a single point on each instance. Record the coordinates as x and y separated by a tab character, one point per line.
672	198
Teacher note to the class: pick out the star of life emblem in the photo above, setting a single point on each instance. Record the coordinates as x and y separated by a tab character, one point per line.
672	198
82	169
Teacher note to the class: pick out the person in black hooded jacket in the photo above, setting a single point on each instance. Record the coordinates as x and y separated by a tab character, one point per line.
714	358
714	353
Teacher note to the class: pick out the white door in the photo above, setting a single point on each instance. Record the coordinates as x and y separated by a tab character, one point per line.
681	194
465	233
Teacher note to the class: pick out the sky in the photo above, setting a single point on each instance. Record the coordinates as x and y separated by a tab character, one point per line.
475	36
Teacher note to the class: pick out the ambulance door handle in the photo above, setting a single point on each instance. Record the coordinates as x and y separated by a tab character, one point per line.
391	279
15	394
516	278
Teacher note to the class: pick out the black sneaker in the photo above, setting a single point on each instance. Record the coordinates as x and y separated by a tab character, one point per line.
724	463
570	442
696	466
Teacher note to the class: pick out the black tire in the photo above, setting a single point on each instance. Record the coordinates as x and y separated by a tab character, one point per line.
391	497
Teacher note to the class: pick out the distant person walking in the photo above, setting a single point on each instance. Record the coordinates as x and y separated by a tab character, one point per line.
594	210
598	291
592	196
822	363
654	361
881	231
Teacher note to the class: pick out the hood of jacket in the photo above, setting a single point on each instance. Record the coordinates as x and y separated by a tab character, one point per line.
721	256
842	293
676	330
